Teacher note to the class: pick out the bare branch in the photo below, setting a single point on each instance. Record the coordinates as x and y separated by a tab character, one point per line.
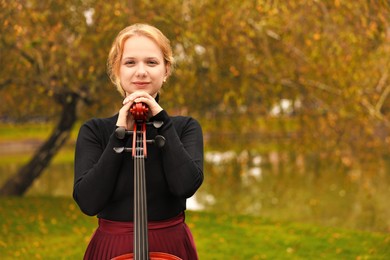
322	86
374	112
385	92
5	83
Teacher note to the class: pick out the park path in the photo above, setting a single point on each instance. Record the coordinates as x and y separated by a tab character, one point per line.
15	147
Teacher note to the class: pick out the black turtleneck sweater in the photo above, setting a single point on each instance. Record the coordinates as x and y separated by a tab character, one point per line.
103	182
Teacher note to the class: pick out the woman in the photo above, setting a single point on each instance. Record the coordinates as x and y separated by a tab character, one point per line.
139	62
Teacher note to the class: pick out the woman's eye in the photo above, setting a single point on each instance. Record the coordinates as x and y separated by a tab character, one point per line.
152	62
129	62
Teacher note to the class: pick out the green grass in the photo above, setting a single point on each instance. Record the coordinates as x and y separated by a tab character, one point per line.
25	131
54	228
37	132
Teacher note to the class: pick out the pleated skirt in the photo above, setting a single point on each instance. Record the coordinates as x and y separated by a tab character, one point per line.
113	238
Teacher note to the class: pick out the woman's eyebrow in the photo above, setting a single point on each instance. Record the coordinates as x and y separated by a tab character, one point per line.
133	57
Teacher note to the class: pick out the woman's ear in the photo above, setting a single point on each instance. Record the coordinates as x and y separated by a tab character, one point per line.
167	71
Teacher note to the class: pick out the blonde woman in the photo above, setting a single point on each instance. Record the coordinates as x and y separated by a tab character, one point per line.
139	63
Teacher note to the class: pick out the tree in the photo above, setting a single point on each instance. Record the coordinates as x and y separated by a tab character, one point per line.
330	59
52	63
236	60
54	53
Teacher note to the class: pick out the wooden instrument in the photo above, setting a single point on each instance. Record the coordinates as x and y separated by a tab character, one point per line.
139	154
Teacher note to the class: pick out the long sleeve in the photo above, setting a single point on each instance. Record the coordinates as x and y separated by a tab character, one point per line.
104	180
182	154
96	168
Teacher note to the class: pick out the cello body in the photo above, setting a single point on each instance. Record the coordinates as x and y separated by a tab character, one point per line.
152	256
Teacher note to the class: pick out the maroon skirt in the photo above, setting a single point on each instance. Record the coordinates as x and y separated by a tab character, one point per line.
113	238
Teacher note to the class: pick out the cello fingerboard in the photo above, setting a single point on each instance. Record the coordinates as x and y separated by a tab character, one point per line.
141	250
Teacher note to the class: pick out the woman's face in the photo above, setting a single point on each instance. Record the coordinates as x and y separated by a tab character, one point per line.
142	66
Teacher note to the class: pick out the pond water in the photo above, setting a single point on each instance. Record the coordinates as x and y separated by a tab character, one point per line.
274	185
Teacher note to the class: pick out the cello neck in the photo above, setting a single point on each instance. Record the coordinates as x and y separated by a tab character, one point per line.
141	248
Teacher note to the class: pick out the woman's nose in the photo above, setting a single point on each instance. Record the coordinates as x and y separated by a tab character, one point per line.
141	70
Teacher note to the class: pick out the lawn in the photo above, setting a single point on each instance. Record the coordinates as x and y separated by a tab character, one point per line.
54	228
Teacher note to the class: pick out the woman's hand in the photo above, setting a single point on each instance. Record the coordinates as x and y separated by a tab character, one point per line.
144	97
125	119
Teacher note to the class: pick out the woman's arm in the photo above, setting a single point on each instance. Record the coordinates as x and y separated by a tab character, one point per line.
96	168
182	155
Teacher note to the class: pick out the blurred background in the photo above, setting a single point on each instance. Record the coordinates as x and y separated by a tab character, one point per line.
293	98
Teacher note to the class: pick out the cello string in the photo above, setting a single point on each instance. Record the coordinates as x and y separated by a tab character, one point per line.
137	241
140	201
136	238
144	199
136	251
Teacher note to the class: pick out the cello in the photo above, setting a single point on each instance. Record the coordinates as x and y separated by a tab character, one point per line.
139	154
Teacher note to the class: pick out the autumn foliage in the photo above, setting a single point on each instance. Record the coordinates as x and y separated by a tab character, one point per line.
237	62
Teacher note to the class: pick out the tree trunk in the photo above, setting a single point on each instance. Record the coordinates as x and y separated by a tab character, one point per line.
18	184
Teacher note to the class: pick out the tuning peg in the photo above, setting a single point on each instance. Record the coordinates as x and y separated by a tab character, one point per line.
159	141
156	124
120	132
122	149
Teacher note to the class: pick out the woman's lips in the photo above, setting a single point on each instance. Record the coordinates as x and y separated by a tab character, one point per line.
141	84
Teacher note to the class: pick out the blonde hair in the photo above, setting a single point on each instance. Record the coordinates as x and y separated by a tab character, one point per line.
115	54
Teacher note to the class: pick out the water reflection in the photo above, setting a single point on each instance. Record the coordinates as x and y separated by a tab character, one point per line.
291	187
280	186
